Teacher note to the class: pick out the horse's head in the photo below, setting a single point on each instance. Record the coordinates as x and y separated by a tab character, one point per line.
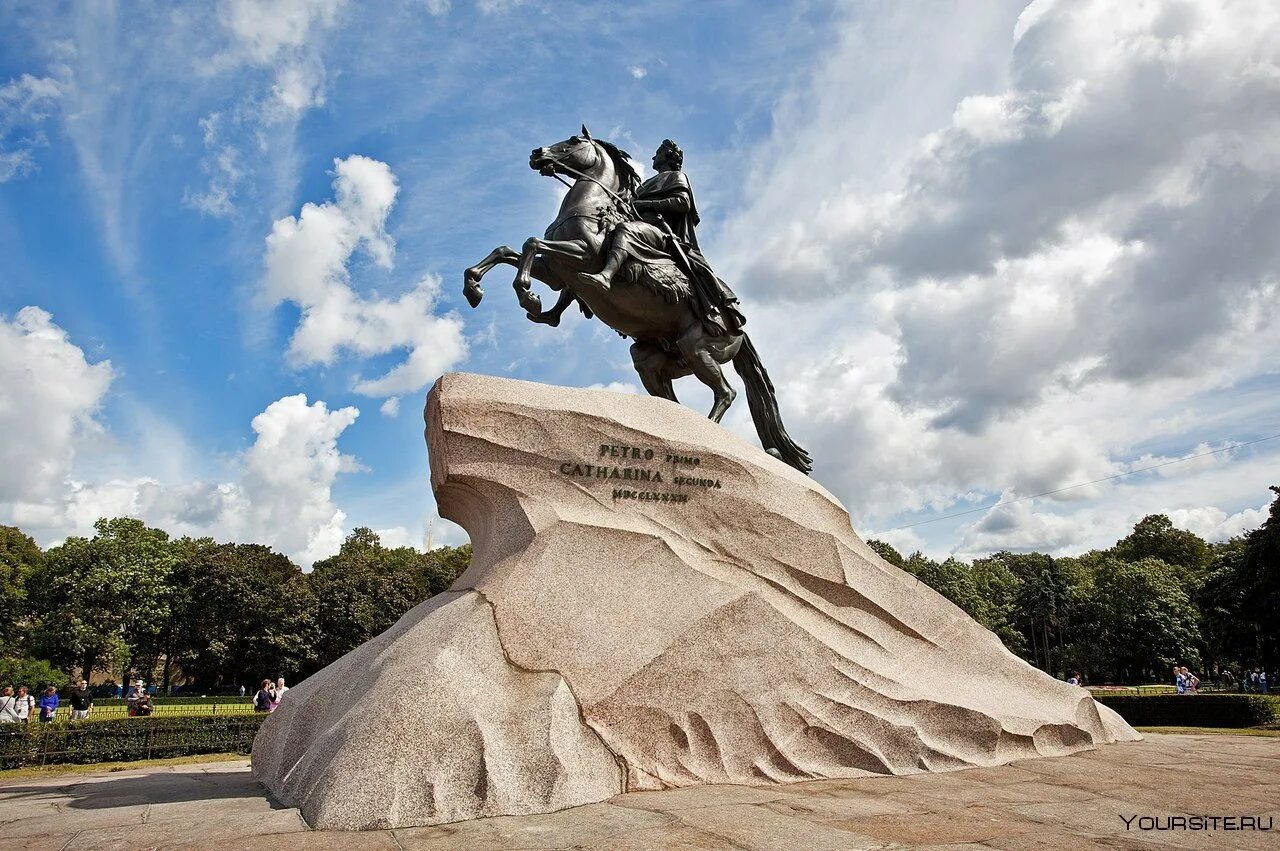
579	152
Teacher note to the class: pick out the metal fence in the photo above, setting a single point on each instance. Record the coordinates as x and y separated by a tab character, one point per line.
163	710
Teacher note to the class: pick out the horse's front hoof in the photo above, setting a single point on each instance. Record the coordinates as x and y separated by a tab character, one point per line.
474	292
549	318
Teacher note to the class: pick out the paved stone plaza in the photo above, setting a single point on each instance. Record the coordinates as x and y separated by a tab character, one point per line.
1066	802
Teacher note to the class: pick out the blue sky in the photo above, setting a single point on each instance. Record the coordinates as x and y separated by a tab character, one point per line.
987	250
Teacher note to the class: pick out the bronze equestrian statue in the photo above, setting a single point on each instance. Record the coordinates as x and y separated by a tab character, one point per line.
628	253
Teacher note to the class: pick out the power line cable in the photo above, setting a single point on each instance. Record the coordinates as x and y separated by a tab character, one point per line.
1002	503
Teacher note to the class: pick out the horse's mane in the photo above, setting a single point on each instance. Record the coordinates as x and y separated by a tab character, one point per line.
627	174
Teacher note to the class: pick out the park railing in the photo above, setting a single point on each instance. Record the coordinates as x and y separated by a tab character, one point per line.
164	708
126	739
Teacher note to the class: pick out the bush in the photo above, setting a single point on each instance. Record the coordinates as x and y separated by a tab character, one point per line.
32	673
1194	710
124	739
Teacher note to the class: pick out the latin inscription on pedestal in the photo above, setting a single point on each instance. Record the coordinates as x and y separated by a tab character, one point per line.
635	472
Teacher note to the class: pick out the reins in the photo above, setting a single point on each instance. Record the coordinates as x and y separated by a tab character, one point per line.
622	202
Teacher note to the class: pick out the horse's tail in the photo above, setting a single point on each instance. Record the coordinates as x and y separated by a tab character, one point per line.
763	402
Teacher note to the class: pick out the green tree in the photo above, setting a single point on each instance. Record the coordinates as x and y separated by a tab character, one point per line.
1222	598
19	558
1241	597
1138	621
949	578
104	599
442	566
241	612
1040	607
1155	536
998	587
887	552
362	591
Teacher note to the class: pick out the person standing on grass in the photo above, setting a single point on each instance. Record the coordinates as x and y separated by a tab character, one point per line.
81	701
281	688
49	705
1179	684
1262	682
263	699
144	706
8	707
26	705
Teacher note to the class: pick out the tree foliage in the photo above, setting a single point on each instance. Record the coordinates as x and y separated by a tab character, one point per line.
1162	596
19	557
219	615
131	601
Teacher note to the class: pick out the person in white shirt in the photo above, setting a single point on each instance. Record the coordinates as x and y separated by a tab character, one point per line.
8	707
26	704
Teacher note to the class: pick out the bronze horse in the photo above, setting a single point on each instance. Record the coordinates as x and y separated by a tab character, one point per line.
670	339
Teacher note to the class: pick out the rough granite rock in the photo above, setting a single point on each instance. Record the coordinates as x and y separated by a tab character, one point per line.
672	623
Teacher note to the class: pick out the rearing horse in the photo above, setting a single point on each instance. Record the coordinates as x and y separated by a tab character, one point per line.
670	339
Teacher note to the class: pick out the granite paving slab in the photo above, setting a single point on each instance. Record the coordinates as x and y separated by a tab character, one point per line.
1080	801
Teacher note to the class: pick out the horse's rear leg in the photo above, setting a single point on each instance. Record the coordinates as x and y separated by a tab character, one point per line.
697	350
656	368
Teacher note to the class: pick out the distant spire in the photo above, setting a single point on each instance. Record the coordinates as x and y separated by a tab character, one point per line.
431	526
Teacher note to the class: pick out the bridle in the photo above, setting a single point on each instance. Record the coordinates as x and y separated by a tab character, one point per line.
559	161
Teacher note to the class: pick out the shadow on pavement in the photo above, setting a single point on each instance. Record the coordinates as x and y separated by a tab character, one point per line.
164	787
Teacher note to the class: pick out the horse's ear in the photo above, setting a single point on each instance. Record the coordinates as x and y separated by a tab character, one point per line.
586	134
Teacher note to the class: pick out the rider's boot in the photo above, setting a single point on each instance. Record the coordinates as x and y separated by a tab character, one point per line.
611	265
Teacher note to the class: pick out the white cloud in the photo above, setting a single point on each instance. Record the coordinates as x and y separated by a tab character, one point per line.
437	8
289	474
639	72
390	407
617	387
307	262
25	102
1214	524
279	491
1060	266
282	35
49	396
498	7
398	536
223	165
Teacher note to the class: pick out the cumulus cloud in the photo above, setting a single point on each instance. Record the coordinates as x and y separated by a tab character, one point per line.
307	263
279	491
50	395
289	473
1042	284
25	102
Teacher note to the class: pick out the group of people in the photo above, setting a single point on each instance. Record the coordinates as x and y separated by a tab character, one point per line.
1185	682
268	697
1256	681
20	706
